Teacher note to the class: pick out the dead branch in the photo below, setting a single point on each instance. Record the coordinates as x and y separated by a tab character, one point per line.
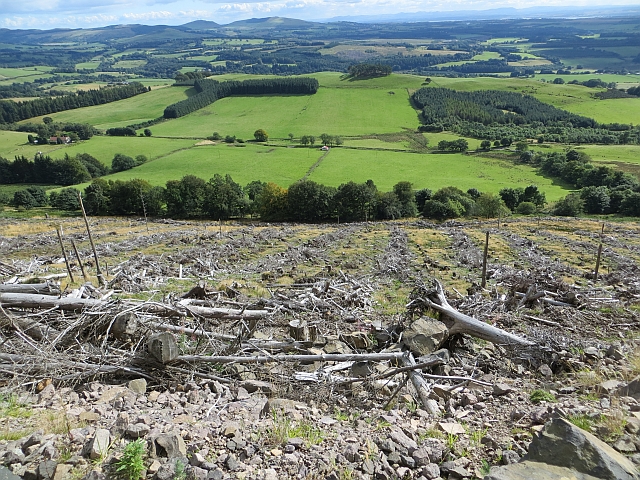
458	322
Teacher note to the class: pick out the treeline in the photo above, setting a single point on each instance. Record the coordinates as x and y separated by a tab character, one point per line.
304	201
65	171
446	107
43	169
44	131
602	189
368	70
211	90
12	112
494	65
559	134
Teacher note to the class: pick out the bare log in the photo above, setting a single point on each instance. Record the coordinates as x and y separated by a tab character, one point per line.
38	288
325	357
421	386
27	300
458	322
24	300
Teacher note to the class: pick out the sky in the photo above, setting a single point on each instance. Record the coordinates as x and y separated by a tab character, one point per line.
46	14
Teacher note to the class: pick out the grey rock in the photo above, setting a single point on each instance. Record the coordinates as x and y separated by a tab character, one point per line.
421	456
431	471
351	454
393	457
232	463
166	471
563	444
95	475
368	467
632	389
459	472
13	456
47	469
425	335
509	457
98	446
6	474
401	439
137	430
625	444
407	461
591	352
528	470
435	449
500	389
170	445
198	473
216	474
139	386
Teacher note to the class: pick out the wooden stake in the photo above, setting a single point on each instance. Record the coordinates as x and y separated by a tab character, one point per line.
595	274
93	247
75	249
64	253
484	261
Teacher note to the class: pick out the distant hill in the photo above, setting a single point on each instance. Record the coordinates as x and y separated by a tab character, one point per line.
200	25
269	22
495	13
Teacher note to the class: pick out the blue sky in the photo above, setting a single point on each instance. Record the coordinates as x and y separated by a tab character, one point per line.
45	14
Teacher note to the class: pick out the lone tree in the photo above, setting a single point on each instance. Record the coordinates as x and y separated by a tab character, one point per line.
260	135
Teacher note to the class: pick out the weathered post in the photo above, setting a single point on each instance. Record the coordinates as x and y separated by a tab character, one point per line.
484	261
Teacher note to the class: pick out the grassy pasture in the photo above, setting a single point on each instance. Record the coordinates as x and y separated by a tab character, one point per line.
429	170
142	107
104	148
339	108
15	143
251	162
620	110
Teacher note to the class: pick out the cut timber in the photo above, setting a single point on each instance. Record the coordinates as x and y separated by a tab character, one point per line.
28	300
421	386
163	347
25	300
324	357
458	322
38	288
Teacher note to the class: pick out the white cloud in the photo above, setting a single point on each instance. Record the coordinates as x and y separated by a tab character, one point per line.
85	13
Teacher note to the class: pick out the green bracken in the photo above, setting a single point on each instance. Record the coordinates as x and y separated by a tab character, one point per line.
131	464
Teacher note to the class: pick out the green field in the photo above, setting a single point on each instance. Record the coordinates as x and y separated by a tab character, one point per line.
245	164
145	106
339	108
374	117
430	171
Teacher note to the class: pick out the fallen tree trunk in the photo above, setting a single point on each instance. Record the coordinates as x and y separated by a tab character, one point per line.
324	357
458	322
28	300
37	288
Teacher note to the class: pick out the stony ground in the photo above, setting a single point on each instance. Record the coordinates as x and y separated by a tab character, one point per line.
261	424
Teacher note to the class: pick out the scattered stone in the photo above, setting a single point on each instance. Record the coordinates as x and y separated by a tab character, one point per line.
170	445
137	430
139	386
425	335
451	428
535	471
98	446
563	444
500	389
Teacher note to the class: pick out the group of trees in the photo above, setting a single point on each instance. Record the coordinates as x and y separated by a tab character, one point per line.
211	90
43	169
12	112
446	107
222	198
368	70
460	145
304	201
64	171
